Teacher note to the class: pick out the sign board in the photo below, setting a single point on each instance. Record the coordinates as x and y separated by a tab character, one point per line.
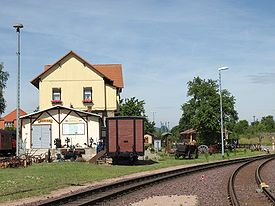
73	128
45	120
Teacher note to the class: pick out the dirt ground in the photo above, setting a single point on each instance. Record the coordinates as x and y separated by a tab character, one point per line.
171	200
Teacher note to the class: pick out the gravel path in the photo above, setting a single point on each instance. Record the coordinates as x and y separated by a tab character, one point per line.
204	188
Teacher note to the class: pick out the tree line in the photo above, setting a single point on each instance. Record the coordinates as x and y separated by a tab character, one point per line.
202	113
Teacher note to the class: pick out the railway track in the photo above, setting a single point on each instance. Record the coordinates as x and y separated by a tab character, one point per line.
245	185
268	192
106	192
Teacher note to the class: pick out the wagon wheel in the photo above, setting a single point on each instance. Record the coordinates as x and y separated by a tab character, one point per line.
115	160
203	149
196	153
189	154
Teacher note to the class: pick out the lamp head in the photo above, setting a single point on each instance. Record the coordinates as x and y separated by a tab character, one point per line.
18	26
223	68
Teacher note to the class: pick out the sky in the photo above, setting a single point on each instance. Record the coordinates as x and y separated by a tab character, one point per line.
161	45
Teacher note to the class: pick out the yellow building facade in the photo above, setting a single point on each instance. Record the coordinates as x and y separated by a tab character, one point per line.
73	82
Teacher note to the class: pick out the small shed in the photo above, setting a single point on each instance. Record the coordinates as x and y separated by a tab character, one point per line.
148	139
157	144
39	130
188	135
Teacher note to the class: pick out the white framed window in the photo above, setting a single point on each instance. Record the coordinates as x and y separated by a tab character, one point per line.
56	94
87	94
9	124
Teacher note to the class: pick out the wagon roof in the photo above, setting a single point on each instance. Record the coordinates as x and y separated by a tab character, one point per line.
189	131
126	117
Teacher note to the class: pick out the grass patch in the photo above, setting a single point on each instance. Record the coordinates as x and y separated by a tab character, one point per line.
40	179
266	140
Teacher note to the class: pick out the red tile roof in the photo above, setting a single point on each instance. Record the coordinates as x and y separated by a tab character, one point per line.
111	72
47	66
12	115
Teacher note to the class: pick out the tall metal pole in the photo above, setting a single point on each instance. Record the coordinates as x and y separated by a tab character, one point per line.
221	112
220	83
18	27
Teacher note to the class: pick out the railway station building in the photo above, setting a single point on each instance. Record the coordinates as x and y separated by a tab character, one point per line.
74	82
75	97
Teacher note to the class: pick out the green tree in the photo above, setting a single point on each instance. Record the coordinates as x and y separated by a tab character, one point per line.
255	128
149	126
10	128
268	123
176	133
241	127
3	80
202	111
134	107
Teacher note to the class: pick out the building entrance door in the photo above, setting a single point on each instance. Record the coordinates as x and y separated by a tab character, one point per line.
41	136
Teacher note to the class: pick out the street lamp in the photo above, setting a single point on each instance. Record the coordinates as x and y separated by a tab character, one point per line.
220	83
18	27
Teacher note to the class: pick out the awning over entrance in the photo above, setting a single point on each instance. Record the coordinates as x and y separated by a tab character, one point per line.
40	129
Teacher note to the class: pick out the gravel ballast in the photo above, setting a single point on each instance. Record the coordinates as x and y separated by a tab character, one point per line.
207	187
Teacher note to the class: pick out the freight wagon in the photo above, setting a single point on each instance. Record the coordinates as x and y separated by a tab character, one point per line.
125	138
7	142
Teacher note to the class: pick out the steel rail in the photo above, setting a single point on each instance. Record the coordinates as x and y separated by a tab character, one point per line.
231	189
101	193
266	189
